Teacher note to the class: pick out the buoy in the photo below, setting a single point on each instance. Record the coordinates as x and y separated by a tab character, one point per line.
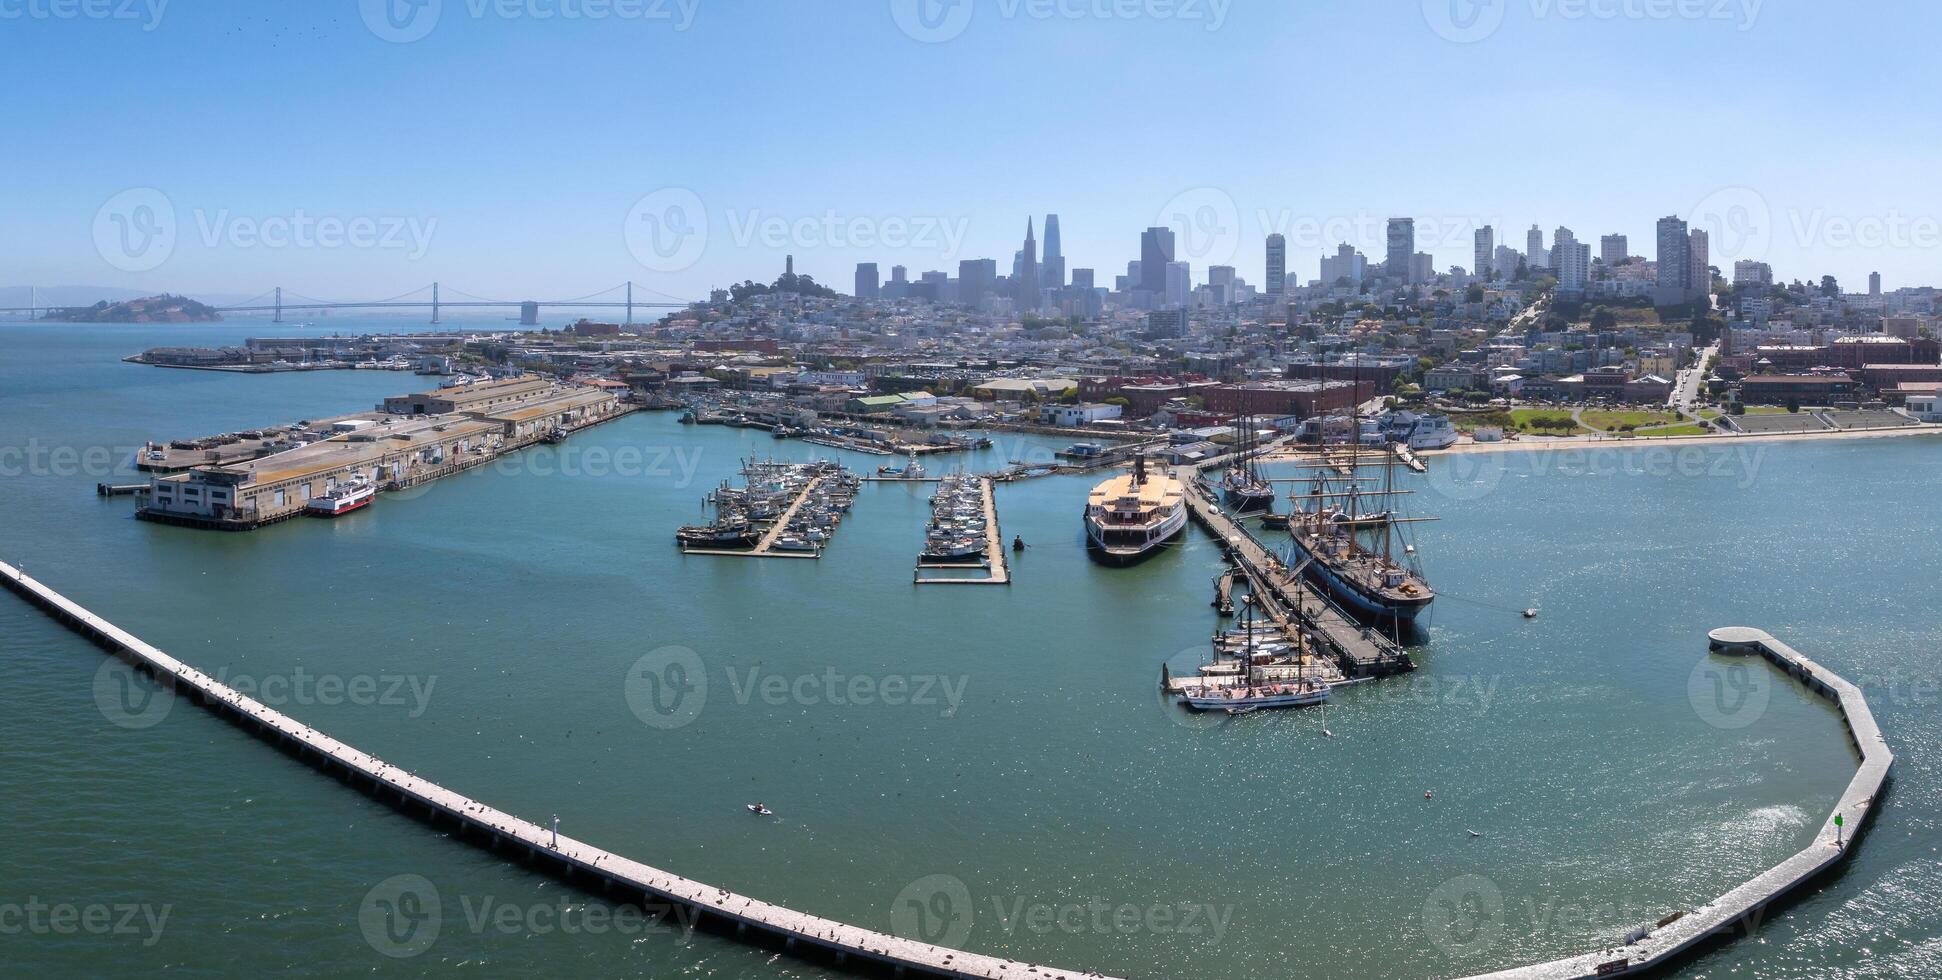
1428	795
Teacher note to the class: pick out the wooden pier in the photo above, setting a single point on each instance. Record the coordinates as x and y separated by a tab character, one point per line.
1654	945
1286	597
997	565
747	919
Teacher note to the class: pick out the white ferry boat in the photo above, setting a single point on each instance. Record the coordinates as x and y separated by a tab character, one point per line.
1128	517
343	498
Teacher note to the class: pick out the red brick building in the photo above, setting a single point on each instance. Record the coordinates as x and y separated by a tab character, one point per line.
1305	399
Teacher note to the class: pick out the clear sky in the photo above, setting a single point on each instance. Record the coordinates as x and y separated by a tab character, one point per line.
686	144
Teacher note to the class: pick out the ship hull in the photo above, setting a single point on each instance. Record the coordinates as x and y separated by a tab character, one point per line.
1105	546
1352	598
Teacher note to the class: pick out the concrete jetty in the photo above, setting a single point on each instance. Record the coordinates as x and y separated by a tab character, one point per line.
1739	910
748	919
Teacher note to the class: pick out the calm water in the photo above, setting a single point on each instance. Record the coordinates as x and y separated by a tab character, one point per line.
1010	764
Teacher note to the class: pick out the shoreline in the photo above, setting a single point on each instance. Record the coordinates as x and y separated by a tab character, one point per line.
1577	443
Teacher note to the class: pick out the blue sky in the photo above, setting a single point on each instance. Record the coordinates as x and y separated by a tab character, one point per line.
510	155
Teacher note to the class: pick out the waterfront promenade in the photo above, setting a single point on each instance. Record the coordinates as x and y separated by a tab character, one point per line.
749	919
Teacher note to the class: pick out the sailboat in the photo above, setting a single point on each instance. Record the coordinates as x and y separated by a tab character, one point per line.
1242	485
1256	692
1371	579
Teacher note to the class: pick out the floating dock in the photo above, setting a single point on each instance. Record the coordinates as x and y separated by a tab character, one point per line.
997	566
578	862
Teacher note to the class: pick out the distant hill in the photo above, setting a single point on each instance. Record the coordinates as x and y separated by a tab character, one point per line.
149	309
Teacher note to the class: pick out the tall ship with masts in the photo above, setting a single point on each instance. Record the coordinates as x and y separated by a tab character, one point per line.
1350	540
1243	487
1130	516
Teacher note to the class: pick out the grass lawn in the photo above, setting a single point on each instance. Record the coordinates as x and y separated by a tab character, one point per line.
1522	419
1606	421
1679	430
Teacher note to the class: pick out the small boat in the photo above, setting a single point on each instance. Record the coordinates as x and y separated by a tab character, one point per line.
342	498
1018	544
760	810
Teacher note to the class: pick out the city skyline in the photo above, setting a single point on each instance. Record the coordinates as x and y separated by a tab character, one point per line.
470	188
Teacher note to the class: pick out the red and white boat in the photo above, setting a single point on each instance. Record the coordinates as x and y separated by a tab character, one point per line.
343	498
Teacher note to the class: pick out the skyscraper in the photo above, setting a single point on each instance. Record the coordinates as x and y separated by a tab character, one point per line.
1402	245
868	285
1052	270
1156	253
1699	258
1486	252
1027	285
1874	284
1675	257
976	277
1277	266
1571	261
1614	249
1180	283
1534	255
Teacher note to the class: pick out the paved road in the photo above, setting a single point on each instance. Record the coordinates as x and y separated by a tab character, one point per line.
1685	389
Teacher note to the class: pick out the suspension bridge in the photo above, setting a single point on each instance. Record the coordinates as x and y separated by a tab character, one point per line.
433	298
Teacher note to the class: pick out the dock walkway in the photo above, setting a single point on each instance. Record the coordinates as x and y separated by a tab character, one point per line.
796	932
996	563
1287	598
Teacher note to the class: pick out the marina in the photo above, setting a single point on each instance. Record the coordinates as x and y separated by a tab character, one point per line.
786	510
964	535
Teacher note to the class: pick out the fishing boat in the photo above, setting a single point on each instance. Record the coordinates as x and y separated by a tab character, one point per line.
1129	517
353	494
